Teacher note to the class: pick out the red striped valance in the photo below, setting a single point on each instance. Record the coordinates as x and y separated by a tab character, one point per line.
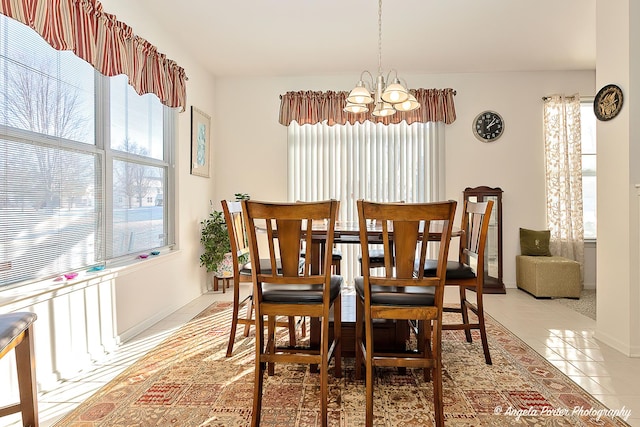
308	107
106	43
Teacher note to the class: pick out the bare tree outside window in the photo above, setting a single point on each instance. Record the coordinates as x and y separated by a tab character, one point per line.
40	102
131	178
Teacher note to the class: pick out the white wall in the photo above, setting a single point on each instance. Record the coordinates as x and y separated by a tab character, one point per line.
515	162
618	52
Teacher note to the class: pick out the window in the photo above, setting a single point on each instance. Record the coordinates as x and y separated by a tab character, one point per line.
373	161
84	161
588	137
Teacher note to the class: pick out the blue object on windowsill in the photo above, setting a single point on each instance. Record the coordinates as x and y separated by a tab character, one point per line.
96	268
155	253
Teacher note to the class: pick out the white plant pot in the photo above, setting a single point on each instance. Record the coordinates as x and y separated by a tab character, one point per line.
225	268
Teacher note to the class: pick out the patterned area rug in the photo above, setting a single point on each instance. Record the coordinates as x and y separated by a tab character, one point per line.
188	381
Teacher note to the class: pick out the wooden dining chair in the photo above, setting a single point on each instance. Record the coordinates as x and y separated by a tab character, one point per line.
469	271
290	291
402	292
16	333
242	274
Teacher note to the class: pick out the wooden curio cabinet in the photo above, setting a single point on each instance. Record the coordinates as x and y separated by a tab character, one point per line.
493	283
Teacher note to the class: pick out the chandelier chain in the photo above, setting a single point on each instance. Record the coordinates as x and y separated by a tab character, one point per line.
379	37
387	97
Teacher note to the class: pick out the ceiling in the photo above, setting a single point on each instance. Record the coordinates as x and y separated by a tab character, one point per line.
331	37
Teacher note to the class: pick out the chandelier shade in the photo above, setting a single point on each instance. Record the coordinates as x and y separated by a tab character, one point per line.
387	98
360	95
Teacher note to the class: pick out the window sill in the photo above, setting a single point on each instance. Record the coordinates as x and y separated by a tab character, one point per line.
22	297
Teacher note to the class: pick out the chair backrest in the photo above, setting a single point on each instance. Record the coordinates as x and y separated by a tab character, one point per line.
475	225
404	225
288	228
237	232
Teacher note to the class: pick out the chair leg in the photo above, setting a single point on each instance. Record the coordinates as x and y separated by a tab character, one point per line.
324	375
27	379
292	331
336	267
369	371
234	319
358	338
437	395
465	312
249	316
337	337
483	330
259	373
424	334
438	404
271	342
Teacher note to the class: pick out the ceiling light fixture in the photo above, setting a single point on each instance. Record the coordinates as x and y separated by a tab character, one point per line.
388	98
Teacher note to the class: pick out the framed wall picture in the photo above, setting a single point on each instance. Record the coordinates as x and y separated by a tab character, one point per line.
200	142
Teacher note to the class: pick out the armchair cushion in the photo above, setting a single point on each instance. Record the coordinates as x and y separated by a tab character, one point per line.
534	243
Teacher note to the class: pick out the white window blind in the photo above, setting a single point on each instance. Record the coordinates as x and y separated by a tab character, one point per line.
371	161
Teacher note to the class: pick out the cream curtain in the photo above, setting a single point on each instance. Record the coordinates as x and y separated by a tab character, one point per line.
563	161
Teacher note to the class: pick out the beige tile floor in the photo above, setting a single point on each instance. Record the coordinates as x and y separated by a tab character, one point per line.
563	336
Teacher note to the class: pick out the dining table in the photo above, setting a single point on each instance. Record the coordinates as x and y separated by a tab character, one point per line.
388	335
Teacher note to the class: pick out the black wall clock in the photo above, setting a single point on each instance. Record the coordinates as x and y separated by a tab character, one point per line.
488	126
608	102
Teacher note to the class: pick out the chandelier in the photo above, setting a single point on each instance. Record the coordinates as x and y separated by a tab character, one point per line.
388	98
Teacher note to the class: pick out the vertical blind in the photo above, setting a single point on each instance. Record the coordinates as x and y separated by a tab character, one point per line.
372	161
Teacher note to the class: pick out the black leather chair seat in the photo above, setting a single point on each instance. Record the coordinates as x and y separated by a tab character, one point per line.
386	295
455	270
299	294
376	256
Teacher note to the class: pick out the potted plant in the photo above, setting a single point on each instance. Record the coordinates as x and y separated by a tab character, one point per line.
217	248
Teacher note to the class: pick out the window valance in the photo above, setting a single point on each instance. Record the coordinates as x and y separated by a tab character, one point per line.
100	39
308	107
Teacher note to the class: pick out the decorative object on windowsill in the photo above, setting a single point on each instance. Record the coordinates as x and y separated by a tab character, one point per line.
488	126
388	97
608	102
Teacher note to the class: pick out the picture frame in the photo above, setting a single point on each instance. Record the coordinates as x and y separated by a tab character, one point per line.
200	142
